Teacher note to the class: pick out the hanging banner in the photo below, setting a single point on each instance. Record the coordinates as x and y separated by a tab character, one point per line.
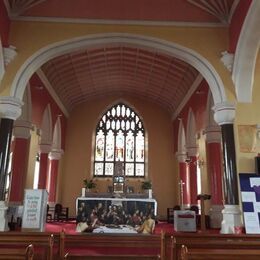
250	196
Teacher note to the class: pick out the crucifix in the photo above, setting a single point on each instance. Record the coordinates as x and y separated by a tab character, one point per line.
181	183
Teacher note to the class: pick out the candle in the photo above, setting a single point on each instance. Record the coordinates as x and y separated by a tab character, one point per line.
83	192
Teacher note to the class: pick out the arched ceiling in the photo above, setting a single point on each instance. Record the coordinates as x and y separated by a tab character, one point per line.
122	69
79	76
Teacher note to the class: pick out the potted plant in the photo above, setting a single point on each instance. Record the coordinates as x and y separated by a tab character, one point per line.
89	184
146	185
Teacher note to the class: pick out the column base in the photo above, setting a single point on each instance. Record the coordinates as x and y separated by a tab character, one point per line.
232	217
216	217
3	218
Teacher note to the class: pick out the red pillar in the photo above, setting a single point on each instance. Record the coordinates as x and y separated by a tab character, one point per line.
44	161
54	157
19	169
193	180
43	171
215	169
53	173
184	177
214	160
20	149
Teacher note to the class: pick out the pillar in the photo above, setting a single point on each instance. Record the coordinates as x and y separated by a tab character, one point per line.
10	110
215	169
44	164
54	157
184	178
193	157
21	147
224	115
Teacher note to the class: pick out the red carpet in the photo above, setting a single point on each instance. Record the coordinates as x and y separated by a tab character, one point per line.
70	227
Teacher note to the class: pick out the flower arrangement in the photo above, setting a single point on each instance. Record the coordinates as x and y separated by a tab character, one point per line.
146	185
89	184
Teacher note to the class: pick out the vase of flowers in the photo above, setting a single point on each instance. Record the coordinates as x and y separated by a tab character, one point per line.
147	187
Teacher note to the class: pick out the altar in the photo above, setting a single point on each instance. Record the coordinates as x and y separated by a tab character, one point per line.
131	211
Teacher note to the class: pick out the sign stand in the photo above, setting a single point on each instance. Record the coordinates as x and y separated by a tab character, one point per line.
34	210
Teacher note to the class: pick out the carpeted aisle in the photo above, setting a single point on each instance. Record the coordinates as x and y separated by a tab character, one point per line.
70	227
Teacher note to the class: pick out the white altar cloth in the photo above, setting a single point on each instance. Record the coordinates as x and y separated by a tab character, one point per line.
122	229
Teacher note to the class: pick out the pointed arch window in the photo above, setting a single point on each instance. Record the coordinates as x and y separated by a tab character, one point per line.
120	136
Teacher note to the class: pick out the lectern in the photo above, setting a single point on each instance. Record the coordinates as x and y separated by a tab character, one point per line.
202	198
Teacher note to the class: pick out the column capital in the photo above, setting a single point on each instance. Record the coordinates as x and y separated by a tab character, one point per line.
213	134
55	154
45	148
10	107
181	157
22	129
224	113
192	151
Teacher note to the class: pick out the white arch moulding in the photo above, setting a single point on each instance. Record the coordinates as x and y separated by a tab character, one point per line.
246	53
34	62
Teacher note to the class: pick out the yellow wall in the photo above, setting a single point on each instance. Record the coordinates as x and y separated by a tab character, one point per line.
77	161
34	148
29	37
248	114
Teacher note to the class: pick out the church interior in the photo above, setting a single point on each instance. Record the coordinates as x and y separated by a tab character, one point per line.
147	107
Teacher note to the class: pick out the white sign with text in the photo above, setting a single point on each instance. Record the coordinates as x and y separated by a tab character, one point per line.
34	211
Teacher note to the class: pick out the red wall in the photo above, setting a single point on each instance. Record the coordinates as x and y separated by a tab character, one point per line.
40	99
197	103
4	24
237	23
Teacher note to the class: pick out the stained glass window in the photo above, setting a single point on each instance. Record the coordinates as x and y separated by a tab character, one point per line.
120	136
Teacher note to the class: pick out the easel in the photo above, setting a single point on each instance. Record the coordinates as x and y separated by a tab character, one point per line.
202	198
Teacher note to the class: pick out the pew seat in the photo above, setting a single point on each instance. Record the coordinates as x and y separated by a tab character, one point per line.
17	253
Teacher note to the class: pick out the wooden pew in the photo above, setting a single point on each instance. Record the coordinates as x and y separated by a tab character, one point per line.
218	242
100	246
17	253
42	242
219	254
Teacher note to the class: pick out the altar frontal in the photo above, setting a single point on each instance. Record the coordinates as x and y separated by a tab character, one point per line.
114	211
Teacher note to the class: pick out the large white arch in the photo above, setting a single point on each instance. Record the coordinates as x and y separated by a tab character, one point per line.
246	53
53	50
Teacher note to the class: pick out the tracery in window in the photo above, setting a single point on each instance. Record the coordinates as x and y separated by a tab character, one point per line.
120	136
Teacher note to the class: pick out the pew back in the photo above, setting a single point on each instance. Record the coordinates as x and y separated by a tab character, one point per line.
42	242
133	246
17	253
217	242
219	254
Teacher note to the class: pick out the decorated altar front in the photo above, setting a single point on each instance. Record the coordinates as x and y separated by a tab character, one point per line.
131	211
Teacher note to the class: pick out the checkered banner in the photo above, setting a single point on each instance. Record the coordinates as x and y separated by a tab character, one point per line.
250	196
